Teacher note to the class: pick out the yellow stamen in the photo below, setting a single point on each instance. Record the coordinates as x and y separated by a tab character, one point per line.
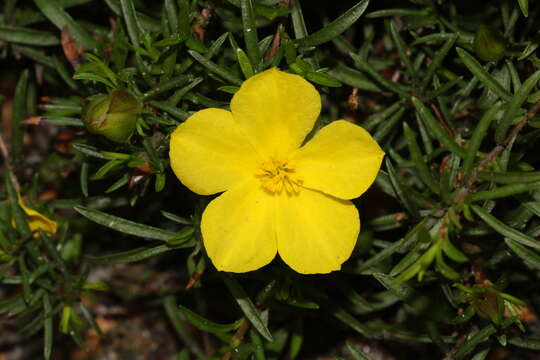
277	175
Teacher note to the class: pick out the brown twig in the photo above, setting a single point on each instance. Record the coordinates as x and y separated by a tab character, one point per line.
7	160
276	42
441	120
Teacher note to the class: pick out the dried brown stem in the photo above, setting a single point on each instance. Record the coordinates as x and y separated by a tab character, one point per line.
441	120
7	160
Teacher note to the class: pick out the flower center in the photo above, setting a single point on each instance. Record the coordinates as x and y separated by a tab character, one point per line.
277	175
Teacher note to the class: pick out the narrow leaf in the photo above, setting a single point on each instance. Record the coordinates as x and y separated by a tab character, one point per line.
28	36
336	27
438	131
214	68
48	330
247	307
60	18
478	135
250	31
515	104
19	113
357	354
130	256
132	22
206	325
125	226
530	257
505	230
477	69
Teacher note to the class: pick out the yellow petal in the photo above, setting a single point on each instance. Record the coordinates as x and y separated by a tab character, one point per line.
316	233
38	221
341	160
277	110
209	153
238	228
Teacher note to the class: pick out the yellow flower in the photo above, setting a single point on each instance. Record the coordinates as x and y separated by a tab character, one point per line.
278	195
37	221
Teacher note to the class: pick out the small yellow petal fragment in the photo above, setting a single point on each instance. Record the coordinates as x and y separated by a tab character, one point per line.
38	221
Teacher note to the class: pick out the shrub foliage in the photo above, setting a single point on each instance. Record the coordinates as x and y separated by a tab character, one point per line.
447	260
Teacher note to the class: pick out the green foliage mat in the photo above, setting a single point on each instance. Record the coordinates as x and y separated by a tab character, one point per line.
446	265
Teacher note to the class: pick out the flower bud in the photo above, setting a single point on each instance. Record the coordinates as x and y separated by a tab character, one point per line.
489	306
489	45
113	116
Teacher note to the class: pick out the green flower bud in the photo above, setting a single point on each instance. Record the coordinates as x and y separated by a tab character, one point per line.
490	306
113	116
489	45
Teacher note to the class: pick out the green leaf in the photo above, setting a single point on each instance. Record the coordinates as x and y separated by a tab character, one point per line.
247	307
505	230
48	331
526	342
173	110
354	78
365	66
167	85
524	6
322	79
530	257
19	113
181	327
62	121
396	12
336	27
299	25
250	31
214	68
444	269
106	168
478	135
28	36
407	263
416	154
130	256
505	191
509	177
125	226
206	325
401	290
132	22
352	322
515	104
452	252
245	64
481	336
437	60
60	18
403	193
386	127
409	240
357	354
401	48
478	70
438	131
